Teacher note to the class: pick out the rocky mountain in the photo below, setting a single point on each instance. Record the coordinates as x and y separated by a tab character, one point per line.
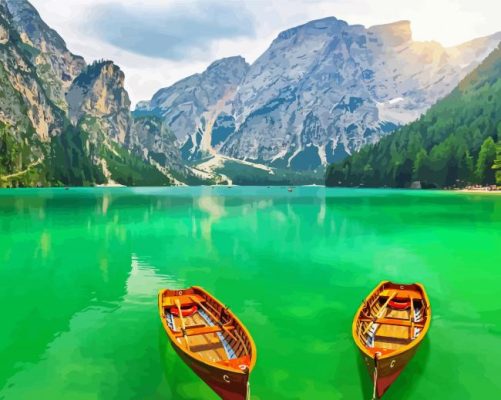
98	100
99	105
157	142
28	118
62	122
320	92
55	64
198	109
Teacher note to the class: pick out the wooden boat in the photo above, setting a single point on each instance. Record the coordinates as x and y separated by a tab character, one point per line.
210	339
388	328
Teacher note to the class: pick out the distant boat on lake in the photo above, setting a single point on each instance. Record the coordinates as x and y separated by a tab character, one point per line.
388	328
210	339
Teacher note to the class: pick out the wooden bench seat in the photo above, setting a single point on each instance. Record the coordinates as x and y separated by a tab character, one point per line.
392	339
397	322
195	326
394	321
211	345
202	331
184	300
392	333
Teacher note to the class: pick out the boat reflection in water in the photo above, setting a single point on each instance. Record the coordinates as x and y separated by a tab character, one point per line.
210	340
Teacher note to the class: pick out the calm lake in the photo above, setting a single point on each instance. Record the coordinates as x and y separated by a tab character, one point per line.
80	270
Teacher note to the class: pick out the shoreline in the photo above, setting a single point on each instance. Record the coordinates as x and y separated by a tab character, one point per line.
478	191
110	185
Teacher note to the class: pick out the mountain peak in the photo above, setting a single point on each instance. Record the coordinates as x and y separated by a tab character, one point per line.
30	23
55	64
98	92
100	68
228	61
394	33
315	26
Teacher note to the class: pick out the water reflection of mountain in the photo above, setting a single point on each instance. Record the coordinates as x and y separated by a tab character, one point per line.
73	251
96	340
48	276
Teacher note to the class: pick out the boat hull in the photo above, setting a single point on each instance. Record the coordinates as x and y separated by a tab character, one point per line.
227	385
388	369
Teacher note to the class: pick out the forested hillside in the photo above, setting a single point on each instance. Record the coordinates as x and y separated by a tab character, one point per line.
63	122
453	144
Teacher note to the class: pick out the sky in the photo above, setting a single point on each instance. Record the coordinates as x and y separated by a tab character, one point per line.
158	42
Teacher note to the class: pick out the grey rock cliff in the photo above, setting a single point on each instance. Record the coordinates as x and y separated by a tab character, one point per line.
318	93
191	106
100	105
23	100
45	89
98	96
156	143
55	64
324	89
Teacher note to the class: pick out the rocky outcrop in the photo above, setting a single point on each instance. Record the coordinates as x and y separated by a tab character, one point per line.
191	107
38	144
153	140
394	34
4	35
55	64
28	119
98	99
23	102
99	105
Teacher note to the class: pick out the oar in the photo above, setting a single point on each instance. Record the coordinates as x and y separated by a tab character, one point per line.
178	305
237	339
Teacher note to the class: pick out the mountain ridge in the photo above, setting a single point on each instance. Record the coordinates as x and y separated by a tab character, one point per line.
292	110
41	143
320	92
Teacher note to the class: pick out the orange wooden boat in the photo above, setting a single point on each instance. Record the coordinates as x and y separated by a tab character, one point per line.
388	328
210	339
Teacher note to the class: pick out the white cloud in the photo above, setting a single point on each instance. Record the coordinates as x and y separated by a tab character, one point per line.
449	22
174	32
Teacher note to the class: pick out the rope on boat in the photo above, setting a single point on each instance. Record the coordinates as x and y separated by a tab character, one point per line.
374	393
247	396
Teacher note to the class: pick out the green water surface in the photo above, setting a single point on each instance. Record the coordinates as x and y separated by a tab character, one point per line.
80	270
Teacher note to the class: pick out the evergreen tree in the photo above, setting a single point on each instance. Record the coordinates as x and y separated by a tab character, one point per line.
451	145
486	158
419	168
466	169
497	163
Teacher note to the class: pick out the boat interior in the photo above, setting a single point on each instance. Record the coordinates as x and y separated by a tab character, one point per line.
392	318
205	328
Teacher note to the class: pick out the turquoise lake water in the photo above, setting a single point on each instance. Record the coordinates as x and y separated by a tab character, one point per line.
80	270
